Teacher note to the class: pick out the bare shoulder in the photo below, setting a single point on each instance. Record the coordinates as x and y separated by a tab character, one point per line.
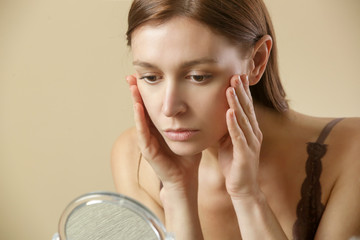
344	143
125	147
132	176
351	127
346	138
343	204
124	157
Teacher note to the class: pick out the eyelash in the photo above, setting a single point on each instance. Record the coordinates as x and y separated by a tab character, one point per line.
155	78
204	77
146	79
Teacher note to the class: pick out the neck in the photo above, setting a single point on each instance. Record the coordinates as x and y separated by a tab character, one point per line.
271	122
275	126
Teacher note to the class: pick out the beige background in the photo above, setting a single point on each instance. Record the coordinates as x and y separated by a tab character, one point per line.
63	100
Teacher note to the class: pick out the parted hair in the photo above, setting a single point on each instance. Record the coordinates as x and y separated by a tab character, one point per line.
243	22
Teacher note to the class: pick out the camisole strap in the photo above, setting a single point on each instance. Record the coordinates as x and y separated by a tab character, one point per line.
310	209
327	129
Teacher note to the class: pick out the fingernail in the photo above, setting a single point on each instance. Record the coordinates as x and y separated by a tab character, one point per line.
239	78
237	81
233	114
246	79
233	92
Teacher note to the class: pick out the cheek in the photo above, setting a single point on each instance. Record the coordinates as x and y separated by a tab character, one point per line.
219	112
212	107
151	101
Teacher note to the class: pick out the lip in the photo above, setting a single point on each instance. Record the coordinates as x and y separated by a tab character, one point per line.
180	135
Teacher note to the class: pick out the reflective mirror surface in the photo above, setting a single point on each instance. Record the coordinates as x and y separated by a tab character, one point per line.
109	216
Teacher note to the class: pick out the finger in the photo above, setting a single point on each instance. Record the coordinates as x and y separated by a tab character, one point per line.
143	124
149	143
139	111
136	97
252	114
245	81
143	132
135	94
131	79
241	85
251	111
236	134
242	120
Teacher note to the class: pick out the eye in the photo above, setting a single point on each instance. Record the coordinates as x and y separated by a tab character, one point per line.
150	79
199	78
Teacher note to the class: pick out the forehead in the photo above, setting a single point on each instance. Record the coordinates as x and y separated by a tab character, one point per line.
177	38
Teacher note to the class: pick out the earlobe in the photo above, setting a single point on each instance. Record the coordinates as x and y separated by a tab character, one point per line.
260	57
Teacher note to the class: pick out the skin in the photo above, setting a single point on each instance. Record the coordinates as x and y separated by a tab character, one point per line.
239	175
176	99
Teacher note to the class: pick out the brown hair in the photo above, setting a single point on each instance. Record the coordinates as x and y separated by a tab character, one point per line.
241	21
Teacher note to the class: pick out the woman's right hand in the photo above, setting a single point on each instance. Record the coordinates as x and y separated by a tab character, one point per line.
176	173
179	175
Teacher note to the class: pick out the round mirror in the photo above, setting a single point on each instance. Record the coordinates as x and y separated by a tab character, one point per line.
109	216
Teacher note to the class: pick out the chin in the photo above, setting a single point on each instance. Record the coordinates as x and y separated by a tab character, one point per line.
185	149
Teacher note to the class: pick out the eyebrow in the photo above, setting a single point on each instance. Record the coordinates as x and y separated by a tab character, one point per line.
183	65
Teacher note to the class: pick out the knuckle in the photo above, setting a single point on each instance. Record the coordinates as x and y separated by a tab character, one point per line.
249	107
244	120
238	137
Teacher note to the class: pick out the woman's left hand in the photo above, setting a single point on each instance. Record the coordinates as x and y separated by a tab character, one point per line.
240	150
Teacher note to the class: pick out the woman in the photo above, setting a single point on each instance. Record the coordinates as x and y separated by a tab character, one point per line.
216	152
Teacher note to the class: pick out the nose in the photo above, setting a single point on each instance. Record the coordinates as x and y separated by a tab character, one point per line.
173	102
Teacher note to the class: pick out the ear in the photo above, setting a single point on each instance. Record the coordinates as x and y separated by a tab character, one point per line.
259	59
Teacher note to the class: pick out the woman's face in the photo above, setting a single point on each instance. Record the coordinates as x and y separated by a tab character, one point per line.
183	70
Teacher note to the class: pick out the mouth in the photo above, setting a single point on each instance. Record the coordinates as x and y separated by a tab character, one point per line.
180	135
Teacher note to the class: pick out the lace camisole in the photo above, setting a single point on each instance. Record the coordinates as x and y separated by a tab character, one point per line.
310	209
